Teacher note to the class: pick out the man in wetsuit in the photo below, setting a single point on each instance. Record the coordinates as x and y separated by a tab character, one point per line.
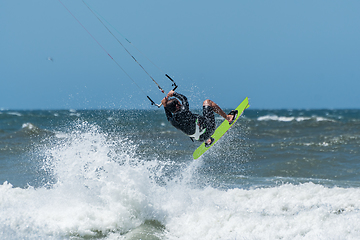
197	127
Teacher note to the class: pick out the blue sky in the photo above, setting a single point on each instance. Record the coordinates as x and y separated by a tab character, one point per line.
281	54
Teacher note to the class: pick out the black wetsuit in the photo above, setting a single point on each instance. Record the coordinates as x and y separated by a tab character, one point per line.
186	121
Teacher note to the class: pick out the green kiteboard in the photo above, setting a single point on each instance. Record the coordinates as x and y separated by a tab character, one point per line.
221	130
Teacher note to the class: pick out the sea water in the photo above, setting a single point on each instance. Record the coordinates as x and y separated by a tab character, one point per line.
128	174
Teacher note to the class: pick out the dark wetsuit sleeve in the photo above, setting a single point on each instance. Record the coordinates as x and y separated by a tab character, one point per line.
168	114
183	100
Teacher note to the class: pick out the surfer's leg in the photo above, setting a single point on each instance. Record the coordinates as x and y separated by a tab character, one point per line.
218	110
210	124
207	120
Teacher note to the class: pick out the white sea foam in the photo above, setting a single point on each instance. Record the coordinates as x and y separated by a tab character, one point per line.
102	187
322	119
28	126
15	114
271	118
97	190
75	114
290	119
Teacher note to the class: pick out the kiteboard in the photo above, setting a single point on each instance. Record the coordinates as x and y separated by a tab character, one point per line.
222	129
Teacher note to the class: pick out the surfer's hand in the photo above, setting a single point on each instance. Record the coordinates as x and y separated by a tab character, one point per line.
170	94
164	101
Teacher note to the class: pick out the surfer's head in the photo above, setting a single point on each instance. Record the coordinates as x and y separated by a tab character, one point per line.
173	105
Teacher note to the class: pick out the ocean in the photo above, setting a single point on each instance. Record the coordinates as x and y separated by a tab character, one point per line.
128	174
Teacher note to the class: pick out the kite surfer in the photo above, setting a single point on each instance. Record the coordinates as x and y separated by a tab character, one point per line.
197	127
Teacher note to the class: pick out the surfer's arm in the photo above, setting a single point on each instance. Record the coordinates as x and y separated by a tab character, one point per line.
168	114
182	98
179	96
164	101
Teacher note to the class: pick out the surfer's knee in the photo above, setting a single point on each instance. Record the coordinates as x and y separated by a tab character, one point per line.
208	102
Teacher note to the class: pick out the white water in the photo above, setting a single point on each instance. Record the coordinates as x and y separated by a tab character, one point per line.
102	188
290	119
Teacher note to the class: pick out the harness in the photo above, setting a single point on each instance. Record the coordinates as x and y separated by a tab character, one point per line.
198	131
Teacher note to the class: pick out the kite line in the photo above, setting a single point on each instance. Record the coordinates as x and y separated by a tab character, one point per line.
97	16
